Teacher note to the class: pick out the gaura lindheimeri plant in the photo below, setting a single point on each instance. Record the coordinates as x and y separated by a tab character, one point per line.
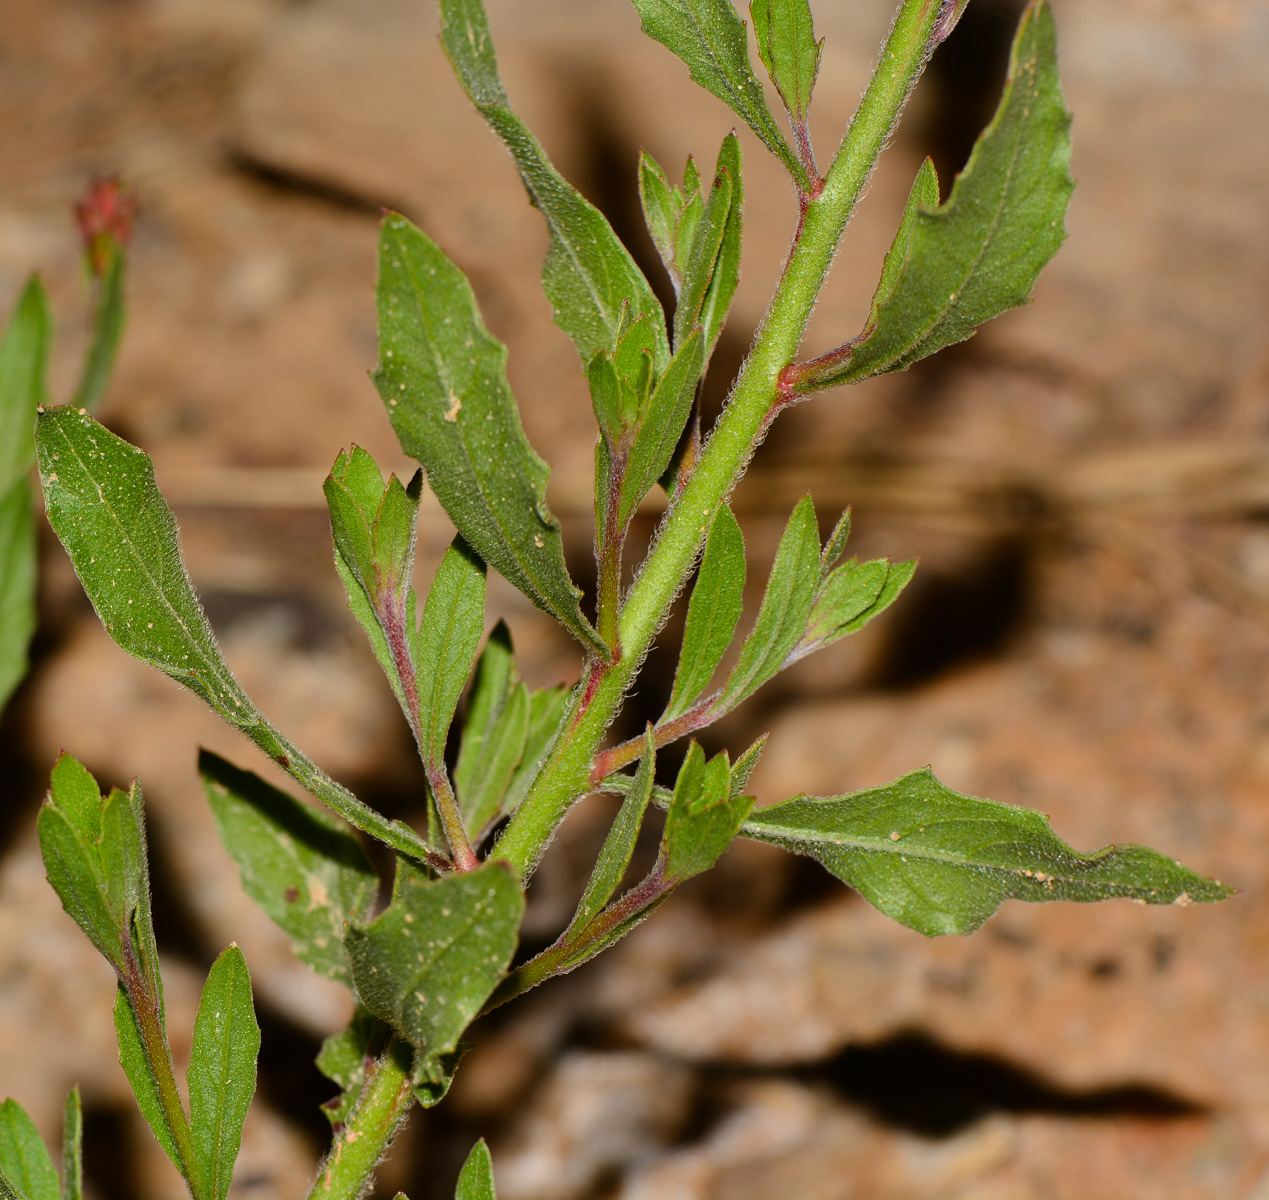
443	949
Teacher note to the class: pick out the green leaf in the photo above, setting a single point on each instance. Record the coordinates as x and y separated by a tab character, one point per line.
941	862
546	711
923	197
725	274
428	963
23	365
614	857
662	425
443	378
70	829
104	505
17	585
494	732
705	814
476	1181
342	1059
305	868
23	1156
786	604
222	1071
847	592
73	1148
137	1067
662	207
709	37
712	612
589	276
898	577
981	252
835	547
725	198
788	49
109	315
448	637
8	1190
434	1073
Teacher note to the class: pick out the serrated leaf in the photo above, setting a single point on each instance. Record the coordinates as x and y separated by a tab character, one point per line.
109	315
428	963
73	1148
17	585
703	818
476	1181
23	365
106	508
222	1071
588	275
443	378
788	49
546	710
942	862
305	868
614	857
785	606
981	252
710	38
24	1158
712	612
448	637
662	425
136	1066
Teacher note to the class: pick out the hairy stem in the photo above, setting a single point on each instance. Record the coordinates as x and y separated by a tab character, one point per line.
383	1105
756	398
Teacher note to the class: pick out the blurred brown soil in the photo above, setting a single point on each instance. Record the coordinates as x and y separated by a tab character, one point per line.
1086	484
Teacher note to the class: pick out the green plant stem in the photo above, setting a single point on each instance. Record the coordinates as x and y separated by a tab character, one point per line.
384	1102
754	403
159	1055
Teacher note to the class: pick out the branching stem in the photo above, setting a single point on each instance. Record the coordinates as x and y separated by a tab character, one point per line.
565	775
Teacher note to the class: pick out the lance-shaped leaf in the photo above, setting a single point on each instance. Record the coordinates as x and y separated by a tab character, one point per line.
373	526
94	852
845	594
443	378
23	365
476	1180
447	640
73	1148
981	252
222	1072
710	38
662	425
142	1070
429	962
704	816
941	862
17	585
304	867
588	276
109	314
546	711
24	1158
712	612
786	604
619	845
106	508
788	49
